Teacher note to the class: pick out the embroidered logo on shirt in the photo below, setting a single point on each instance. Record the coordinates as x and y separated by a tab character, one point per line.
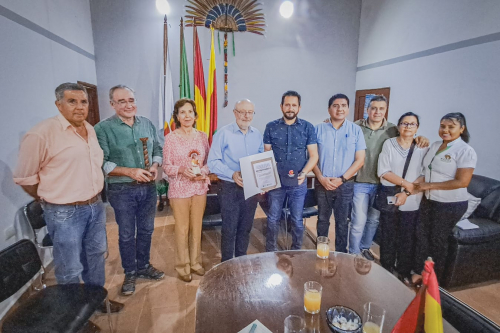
291	174
446	158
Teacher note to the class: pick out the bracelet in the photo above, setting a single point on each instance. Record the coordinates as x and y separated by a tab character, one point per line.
343	179
402	182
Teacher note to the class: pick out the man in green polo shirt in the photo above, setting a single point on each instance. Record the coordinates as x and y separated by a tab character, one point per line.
365	218
131	188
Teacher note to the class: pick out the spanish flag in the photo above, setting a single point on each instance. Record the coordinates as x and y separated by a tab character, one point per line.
424	312
211	105
199	84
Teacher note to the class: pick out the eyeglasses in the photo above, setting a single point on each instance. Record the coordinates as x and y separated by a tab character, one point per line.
242	113
408	125
123	103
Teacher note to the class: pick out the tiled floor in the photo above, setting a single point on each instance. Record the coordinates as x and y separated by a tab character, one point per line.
169	305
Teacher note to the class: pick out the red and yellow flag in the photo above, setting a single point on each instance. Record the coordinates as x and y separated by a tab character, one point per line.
424	312
433	314
200	94
211	104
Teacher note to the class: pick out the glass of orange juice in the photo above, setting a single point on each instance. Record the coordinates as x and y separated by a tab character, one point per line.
312	297
373	318
322	247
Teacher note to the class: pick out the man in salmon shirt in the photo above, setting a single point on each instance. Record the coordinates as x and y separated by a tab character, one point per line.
60	165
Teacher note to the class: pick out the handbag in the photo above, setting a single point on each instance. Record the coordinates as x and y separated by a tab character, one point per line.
380	202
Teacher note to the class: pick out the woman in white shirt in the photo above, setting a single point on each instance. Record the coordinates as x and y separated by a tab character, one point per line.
398	229
448	167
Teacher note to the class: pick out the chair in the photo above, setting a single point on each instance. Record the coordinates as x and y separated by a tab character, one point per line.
212	216
463	317
34	215
59	308
310	210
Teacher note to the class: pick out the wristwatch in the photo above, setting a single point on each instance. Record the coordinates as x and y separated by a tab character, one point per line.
407	192
343	179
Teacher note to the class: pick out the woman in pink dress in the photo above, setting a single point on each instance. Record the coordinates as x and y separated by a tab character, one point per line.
184	161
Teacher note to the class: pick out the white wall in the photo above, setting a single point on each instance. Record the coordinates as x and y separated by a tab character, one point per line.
314	52
31	67
465	79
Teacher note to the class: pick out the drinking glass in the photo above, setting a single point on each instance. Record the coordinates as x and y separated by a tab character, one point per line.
312	296
322	247
294	324
373	318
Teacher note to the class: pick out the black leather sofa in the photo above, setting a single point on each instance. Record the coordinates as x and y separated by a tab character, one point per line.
464	318
474	255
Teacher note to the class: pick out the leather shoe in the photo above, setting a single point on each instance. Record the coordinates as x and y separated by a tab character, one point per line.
90	327
199	272
113	306
186	278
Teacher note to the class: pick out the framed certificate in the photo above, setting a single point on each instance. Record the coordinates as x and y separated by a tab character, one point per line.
259	173
264	174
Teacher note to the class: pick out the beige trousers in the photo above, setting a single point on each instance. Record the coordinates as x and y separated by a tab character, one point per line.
188	215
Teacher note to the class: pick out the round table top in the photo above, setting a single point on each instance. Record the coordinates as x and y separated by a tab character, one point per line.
270	286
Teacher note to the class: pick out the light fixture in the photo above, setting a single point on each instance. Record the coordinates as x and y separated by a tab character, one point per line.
286	9
163	7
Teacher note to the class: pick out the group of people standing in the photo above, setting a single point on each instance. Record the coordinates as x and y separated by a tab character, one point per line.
64	161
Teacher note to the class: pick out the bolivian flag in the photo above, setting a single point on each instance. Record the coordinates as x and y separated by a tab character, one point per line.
211	104
425	309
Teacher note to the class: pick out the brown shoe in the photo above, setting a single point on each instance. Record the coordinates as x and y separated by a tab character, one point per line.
186	278
90	327
113	306
199	272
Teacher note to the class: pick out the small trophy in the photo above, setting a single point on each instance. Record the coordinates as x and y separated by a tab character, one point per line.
146	154
195	164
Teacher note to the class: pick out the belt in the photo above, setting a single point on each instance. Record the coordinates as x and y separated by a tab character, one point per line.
85	202
134	182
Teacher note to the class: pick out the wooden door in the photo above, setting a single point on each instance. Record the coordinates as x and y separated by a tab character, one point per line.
362	101
93	117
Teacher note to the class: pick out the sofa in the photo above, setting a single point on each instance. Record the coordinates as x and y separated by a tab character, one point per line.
474	255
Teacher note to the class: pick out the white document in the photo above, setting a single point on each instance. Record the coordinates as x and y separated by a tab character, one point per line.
466	225
259	173
259	329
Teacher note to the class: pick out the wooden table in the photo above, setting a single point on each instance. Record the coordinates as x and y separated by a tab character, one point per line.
270	286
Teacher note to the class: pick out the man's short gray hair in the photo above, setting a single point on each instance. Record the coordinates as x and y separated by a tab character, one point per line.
68	86
119	86
378	98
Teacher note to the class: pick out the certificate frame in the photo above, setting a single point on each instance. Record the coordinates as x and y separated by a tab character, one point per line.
273	166
250	181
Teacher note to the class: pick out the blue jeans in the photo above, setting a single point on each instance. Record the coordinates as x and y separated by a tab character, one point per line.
364	218
296	196
339	201
134	206
79	237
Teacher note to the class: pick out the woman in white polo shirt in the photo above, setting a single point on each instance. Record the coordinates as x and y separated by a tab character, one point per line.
398	228
448	168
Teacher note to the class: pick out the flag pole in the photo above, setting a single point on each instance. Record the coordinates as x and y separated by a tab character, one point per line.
165	52
182	40
194	50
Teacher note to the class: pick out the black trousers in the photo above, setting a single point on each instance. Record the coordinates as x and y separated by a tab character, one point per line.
237	220
398	238
437	220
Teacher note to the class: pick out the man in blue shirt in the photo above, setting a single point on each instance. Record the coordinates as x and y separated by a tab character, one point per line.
231	143
341	146
293	142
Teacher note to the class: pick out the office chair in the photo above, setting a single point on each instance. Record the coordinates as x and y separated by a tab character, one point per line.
59	308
